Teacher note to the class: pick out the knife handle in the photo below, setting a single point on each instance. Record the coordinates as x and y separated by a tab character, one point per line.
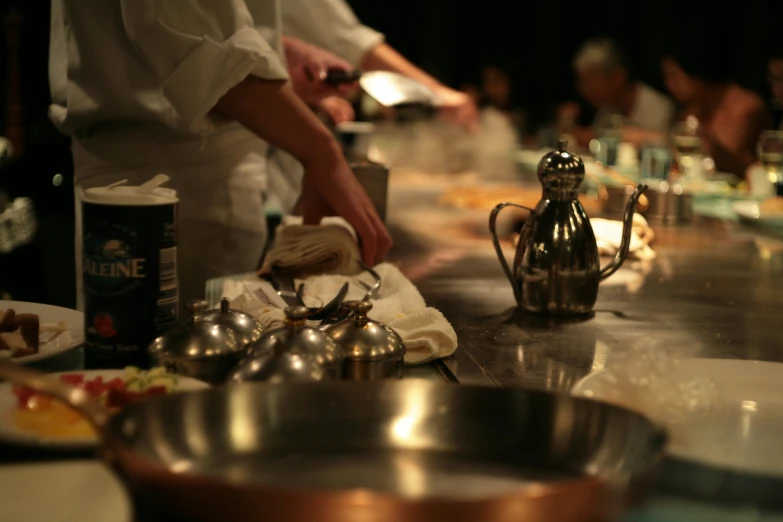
340	76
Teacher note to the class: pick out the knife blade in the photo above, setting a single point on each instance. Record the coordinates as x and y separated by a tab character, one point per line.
285	287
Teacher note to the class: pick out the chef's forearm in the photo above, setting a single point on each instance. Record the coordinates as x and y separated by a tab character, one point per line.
383	57
272	111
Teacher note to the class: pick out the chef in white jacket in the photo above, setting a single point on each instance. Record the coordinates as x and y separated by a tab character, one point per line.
332	25
187	87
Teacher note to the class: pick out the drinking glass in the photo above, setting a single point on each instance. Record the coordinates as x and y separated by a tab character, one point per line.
770	150
609	129
688	148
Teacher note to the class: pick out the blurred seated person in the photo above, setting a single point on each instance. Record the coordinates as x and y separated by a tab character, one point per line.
605	81
730	117
497	92
775	72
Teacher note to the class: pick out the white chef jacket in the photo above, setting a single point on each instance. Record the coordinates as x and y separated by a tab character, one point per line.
330	25
164	61
133	81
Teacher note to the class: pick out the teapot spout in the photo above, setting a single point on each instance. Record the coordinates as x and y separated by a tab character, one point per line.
625	244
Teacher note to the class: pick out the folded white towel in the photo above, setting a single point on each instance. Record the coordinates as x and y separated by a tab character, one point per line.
609	234
328	248
427	334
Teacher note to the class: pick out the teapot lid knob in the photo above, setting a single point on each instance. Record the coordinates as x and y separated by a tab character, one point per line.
561	172
296	315
224	305
362	308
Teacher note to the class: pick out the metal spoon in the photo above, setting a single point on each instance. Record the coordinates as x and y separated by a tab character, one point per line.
372	291
316	313
319	314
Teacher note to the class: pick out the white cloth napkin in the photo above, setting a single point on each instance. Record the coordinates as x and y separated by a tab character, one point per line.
328	248
427	334
609	234
18	224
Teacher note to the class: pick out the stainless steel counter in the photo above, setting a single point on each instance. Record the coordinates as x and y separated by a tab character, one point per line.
715	289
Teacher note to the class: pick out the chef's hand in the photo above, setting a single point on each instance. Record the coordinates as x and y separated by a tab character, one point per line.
271	110
329	188
308	66
458	107
338	109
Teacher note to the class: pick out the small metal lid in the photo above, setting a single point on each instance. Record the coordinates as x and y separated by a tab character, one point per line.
363	339
246	327
195	341
292	352
561	170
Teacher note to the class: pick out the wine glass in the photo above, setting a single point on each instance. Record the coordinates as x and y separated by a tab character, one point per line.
770	151
609	129
688	148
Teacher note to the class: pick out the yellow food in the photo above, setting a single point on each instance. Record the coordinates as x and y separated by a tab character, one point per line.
51	418
485	198
45	417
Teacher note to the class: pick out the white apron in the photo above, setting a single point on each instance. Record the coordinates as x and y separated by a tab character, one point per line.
219	180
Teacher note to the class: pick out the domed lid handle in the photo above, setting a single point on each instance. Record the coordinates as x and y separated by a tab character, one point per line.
296	315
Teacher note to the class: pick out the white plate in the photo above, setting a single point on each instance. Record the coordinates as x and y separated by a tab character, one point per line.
8	405
69	340
79	491
742	430
750	211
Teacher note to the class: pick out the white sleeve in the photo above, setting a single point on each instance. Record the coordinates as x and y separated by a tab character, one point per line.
199	50
331	25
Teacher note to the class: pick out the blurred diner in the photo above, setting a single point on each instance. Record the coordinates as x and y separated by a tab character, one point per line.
727	118
606	81
775	74
497	93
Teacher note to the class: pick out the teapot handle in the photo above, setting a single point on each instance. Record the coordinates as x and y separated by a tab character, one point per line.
493	217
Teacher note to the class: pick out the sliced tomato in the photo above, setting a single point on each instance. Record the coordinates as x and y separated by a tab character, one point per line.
155	390
117	398
95	386
116	384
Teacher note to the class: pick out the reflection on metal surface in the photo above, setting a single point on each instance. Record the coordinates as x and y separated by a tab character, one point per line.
600	356
197	444
412	478
243	427
749	406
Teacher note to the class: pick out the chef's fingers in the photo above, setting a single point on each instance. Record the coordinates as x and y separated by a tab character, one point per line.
316	70
338	109
380	237
347	89
368	245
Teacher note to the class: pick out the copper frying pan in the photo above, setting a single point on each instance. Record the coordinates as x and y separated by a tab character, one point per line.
372	451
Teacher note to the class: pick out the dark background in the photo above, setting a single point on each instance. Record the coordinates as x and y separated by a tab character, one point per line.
452	39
